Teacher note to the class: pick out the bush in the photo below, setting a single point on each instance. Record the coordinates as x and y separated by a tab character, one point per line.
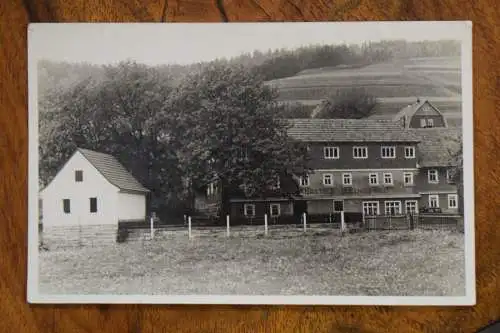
122	235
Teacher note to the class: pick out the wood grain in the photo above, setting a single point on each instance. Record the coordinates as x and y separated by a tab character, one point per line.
18	316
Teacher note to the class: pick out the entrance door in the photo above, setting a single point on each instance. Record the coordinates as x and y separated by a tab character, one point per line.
299	207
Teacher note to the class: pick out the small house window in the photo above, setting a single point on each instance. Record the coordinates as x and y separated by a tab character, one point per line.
433	176
409	152
347	179
304	181
452	201
275	210
408	178
434	201
249	210
66	206
388	152
360	152
430	122
373	179
327	179
93	205
423	123
331	152
388	179
78	176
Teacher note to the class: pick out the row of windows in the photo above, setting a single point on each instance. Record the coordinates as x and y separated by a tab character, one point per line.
433	176
92	204
452	201
370	208
362	152
274	210
373	178
429	122
411	206
392	207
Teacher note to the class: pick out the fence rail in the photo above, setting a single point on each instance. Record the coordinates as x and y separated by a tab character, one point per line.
240	227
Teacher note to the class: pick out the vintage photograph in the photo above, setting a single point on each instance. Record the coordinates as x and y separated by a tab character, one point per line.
251	163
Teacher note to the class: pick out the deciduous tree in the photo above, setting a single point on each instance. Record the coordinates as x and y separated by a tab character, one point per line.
115	113
232	132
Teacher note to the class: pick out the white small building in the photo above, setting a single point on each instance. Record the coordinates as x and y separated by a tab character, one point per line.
92	188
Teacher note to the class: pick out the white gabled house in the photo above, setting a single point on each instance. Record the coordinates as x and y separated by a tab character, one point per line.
92	188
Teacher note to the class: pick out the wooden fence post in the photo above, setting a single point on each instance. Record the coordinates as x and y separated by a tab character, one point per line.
189	226
227	225
304	219
265	224
152	230
342	222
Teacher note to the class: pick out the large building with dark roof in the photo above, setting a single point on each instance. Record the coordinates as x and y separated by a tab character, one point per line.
369	166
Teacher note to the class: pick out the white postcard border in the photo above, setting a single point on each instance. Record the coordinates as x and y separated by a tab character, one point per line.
459	30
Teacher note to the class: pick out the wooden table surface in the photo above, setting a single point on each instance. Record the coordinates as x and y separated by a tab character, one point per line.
18	316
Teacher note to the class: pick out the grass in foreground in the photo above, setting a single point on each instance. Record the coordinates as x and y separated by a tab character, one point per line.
397	263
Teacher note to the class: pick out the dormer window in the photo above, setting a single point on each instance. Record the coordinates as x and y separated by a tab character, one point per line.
331	152
359	152
388	152
410	152
78	176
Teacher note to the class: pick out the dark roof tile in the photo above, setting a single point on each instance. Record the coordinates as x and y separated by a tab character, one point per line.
349	130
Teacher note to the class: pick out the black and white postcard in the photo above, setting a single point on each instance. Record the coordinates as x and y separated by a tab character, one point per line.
251	163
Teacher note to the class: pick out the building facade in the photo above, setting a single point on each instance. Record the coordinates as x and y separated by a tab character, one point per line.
365	166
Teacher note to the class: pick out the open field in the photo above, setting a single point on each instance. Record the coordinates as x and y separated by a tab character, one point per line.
320	262
395	84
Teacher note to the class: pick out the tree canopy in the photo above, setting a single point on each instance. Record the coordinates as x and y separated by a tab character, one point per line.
114	114
232	132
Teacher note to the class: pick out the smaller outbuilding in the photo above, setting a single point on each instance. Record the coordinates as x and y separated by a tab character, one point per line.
91	194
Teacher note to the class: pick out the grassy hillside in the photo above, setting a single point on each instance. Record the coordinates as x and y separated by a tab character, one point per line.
395	84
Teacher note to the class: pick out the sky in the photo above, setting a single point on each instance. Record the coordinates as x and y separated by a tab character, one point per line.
184	43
